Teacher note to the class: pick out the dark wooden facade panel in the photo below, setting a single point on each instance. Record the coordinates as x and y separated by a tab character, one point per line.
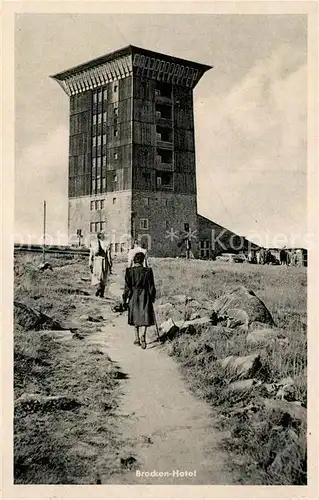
144	111
125	88
144	88
184	140
144	133
144	179
184	161
81	102
183	118
143	156
185	183
119	157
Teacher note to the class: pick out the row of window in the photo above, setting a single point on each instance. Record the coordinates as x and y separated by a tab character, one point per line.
97	205
101	94
100	225
99	118
95	227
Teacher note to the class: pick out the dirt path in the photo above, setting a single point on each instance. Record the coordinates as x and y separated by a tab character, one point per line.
168	428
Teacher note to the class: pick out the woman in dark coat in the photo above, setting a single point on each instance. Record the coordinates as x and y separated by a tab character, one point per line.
139	295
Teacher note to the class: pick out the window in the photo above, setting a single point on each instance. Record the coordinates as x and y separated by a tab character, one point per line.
166	203
99	138
144	224
103	183
100	95
93	163
114	201
115	88
158	181
105	94
102	204
98	184
92	227
92	205
94	98
99	118
204	244
98	163
117	247
116	133
104	138
123	247
94	141
104	117
116	156
146	201
102	226
103	161
115	178
116	111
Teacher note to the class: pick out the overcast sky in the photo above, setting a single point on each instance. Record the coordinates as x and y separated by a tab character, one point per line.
250	112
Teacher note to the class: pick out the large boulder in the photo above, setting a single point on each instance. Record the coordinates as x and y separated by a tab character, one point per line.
241	367
244	300
264	335
30	319
289	411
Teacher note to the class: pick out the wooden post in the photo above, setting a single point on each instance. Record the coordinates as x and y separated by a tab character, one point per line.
44	227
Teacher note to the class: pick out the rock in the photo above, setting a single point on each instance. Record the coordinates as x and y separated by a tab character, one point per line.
237	318
242	385
165	307
193	316
243	367
128	462
78	336
193	325
264	335
285	381
45	266
287	389
30	319
166	326
243	299
95	319
293	410
194	304
180	299
30	403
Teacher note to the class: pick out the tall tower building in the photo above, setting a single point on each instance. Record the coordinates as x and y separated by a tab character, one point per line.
132	169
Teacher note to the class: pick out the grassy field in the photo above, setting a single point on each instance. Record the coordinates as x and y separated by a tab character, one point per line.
258	436
78	445
74	447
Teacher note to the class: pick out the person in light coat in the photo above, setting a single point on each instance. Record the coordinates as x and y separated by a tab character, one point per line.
100	264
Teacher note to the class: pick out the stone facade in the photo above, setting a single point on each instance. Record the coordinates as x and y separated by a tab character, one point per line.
165	215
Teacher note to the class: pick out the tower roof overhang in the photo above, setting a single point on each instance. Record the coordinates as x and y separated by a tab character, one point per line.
127	61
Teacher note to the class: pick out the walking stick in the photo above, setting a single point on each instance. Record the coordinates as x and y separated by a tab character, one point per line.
156	325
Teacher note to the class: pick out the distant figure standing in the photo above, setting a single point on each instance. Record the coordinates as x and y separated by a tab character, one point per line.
283	257
139	295
100	264
137	248
262	256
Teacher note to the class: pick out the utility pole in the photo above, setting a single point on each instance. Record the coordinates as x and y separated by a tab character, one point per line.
44	227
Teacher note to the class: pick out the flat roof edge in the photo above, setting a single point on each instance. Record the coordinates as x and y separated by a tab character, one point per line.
128	50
